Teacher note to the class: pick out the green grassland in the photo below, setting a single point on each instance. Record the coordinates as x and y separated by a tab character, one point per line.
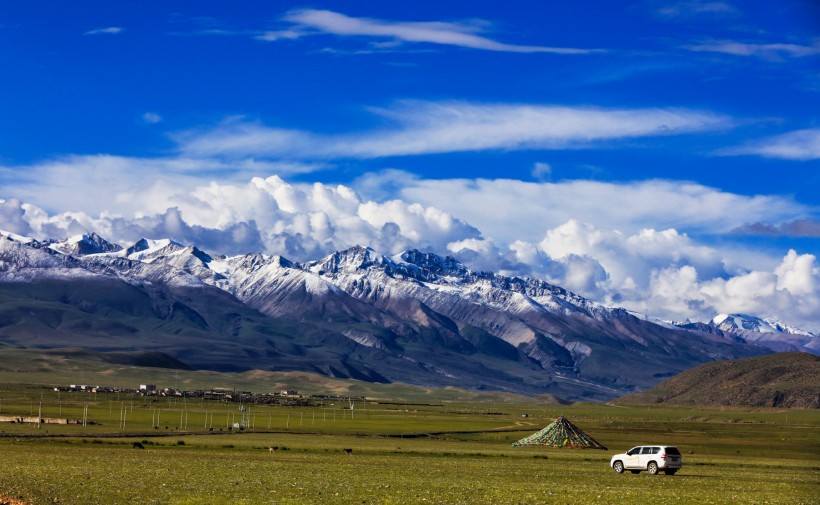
410	444
440	450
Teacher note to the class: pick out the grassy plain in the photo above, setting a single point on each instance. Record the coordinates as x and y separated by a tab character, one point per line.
731	455
426	452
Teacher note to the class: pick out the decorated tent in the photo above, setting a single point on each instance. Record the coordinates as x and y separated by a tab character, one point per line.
561	433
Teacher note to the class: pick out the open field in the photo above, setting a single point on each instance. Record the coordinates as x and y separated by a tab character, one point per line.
463	454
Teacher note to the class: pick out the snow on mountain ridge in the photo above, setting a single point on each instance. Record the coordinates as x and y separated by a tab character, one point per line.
431	310
446	266
766	332
441	273
84	245
369	276
146	250
7	235
745	322
785	328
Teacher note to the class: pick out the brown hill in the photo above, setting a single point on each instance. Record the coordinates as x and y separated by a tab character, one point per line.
788	379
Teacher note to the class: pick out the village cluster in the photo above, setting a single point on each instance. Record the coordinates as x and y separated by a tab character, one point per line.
286	397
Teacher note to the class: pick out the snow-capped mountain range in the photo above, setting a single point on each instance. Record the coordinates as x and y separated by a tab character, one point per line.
767	332
746	323
415	317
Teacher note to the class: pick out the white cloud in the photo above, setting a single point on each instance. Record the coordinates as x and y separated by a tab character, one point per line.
523	210
797	274
443	127
629	261
772	51
792	288
300	221
800	145
661	273
237	139
151	118
694	8
313	21
271	36
12	217
111	30
506	226
666	274
129	185
674	291
541	171
419	224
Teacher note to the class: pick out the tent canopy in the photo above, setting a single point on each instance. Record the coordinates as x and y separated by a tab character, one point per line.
561	433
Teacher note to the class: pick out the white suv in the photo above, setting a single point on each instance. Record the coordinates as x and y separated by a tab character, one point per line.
651	458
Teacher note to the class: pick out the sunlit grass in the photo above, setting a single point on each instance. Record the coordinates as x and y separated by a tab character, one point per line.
445	452
307	469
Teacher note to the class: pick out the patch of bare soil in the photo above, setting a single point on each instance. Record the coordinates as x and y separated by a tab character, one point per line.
8	500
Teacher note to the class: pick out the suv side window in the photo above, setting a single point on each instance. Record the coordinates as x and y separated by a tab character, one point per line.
634	451
646	450
656	450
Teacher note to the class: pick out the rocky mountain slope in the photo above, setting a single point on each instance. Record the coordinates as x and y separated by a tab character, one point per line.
416	317
780	380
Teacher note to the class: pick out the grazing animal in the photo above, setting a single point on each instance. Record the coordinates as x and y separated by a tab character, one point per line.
138	445
273	448
348	451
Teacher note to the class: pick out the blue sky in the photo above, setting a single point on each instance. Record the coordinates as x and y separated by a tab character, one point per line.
662	155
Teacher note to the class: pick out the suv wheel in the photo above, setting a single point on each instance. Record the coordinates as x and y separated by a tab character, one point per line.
652	468
618	466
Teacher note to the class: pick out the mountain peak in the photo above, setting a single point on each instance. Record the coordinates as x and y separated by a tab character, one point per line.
766	331
350	260
417	317
743	322
15	237
85	244
440	266
145	247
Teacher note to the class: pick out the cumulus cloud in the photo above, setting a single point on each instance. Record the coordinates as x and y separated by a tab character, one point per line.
421	127
618	243
663	273
628	261
301	221
792	288
677	279
525	209
305	22
799	145
13	217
